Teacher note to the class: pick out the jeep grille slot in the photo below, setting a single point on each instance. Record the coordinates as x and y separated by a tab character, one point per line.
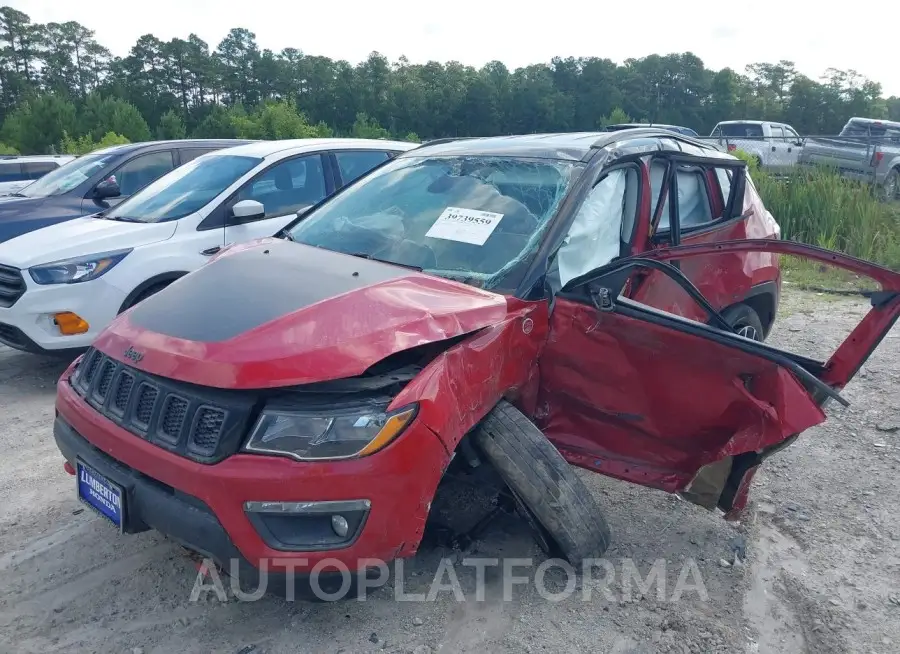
202	424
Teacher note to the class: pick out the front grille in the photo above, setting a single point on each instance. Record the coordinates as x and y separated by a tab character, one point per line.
202	424
12	285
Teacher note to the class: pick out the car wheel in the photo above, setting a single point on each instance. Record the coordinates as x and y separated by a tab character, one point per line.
143	295
890	190
745	322
561	510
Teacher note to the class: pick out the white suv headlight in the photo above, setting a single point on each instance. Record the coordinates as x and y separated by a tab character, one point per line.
78	269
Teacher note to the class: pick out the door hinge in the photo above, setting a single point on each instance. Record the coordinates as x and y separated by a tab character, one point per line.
602	299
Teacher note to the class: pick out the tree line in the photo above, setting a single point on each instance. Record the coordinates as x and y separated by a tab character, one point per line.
60	89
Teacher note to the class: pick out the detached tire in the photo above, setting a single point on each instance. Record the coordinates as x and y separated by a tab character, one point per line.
745	322
570	522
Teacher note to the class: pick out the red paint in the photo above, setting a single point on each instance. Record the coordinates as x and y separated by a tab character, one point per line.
400	482
332	339
724	279
618	395
68	468
649	405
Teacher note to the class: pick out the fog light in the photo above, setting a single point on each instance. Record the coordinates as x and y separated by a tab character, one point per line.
70	323
340	526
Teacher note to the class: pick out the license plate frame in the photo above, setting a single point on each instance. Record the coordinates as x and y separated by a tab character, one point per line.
104	496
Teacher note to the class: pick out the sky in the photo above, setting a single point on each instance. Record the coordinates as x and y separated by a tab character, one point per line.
517	33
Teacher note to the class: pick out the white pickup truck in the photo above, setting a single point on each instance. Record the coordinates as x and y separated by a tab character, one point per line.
776	146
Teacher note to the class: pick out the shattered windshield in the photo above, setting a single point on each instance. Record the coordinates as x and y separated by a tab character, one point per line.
476	219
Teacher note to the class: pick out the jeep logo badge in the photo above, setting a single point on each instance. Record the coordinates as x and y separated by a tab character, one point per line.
133	355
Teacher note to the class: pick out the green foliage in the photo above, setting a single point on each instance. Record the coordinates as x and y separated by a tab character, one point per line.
616	117
100	115
271	121
170	127
38	124
821	208
85	144
751	160
6	149
412	137
198	82
367	128
280	120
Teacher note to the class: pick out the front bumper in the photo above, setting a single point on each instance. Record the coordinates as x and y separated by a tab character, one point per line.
203	506
28	324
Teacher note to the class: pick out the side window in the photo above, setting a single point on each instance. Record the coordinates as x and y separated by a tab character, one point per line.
38	169
140	171
777	133
791	134
694	207
189	154
287	186
604	219
724	177
354	165
11	172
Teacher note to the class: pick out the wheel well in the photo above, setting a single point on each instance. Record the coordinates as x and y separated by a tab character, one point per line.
154	282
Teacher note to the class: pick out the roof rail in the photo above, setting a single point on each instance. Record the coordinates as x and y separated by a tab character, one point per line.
447	139
611	137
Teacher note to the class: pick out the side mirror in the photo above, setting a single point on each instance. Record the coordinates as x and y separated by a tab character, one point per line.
799	144
247	211
108	188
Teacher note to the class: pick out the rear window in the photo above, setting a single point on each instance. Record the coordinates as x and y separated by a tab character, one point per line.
740	130
11	172
877	131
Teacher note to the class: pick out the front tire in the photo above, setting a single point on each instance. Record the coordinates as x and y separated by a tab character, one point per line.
557	504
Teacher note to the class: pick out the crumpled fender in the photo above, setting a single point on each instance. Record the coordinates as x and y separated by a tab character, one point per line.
458	388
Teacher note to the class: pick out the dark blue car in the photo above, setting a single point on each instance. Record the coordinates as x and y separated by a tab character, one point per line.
96	181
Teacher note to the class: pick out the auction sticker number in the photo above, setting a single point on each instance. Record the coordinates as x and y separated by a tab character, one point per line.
465	225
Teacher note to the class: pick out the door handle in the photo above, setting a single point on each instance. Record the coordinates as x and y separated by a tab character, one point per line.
789	149
773	148
208	252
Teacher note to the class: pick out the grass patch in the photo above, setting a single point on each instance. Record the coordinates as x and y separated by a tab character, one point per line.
819	207
813	276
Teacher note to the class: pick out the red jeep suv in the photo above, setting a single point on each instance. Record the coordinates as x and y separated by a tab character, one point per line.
535	301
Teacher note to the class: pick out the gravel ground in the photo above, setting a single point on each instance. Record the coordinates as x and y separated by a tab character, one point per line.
819	571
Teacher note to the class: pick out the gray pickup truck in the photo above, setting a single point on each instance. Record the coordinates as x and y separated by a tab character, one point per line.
867	150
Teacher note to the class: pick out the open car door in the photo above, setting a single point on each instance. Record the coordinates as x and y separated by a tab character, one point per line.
688	407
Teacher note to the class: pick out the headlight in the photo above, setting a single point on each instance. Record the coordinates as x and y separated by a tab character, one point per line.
339	435
80	269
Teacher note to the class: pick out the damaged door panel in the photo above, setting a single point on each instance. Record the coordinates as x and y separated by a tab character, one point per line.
643	395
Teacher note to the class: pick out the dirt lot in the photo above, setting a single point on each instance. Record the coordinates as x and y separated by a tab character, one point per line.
822	547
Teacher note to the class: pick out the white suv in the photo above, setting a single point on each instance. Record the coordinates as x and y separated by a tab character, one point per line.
61	285
18	172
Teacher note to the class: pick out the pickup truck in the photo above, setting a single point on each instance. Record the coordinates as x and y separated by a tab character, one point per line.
775	146
867	150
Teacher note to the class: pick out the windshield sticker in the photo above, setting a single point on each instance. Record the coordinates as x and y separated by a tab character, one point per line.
465	225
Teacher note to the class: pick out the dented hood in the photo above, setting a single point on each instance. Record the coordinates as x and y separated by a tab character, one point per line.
276	313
